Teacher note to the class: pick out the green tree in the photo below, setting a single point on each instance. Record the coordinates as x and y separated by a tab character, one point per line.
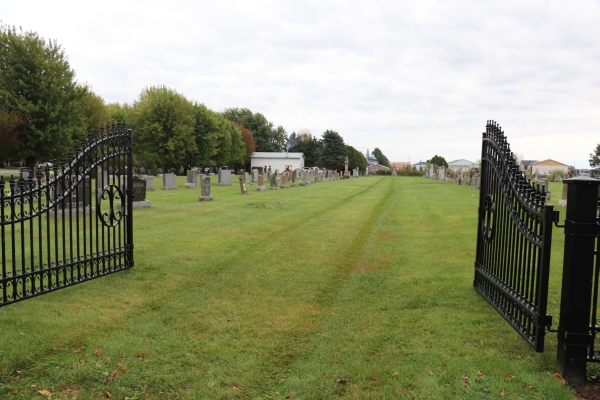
381	159
122	112
37	82
94	110
439	161
230	143
249	142
595	159
356	159
333	151
9	139
267	137
165	124
311	149
206	134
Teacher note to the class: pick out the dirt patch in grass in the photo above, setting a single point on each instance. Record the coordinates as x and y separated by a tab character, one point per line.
266	206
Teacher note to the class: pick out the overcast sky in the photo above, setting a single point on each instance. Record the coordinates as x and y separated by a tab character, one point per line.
414	78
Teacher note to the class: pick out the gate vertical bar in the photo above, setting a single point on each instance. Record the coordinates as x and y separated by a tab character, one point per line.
574	337
129	197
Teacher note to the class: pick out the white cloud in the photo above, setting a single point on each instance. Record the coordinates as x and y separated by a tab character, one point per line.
412	78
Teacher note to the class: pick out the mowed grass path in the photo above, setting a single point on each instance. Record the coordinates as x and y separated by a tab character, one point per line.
352	289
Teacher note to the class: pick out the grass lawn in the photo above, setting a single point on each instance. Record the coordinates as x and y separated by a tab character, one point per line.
352	289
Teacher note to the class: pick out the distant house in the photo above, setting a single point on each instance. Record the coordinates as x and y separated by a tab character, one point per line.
547	166
461	164
420	164
279	161
400	164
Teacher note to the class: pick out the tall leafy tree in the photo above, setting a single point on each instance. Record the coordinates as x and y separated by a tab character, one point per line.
165	124
356	159
381	159
122	112
595	159
94	110
206	133
37	82
9	138
311	149
267	137
249	142
333	151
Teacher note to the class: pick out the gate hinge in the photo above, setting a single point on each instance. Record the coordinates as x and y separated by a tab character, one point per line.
556	218
548	323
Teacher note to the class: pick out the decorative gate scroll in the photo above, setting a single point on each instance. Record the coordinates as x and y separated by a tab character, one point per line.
71	222
513	240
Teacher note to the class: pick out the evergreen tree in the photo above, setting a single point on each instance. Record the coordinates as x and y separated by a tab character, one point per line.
311	149
381	159
333	151
595	159
439	161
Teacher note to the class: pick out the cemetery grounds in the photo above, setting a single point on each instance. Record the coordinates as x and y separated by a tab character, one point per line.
353	289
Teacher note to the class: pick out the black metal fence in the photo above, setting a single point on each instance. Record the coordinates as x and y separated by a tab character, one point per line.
513	241
69	223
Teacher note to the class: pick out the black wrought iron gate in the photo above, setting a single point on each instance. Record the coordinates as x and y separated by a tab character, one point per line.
513	241
69	223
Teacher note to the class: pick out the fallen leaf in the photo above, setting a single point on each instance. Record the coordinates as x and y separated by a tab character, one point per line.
395	374
45	392
480	373
236	388
464	383
282	380
501	392
34	386
430	372
21	333
559	378
399	389
342	381
108	395
141	356
527	385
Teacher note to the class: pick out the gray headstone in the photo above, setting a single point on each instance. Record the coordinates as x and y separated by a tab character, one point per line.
261	183
224	177
254	175
205	189
273	182
150	183
284	181
243	186
169	182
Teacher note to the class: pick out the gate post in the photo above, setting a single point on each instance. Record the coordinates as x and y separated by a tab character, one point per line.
574	338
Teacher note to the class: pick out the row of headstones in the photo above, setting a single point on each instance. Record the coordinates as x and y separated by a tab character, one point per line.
461	178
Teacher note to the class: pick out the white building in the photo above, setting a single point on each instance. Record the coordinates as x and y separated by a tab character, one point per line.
547	166
279	161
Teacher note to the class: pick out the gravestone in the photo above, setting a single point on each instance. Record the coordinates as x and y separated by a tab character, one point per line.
394	173
150	183
302	178
205	189
224	177
101	180
346	173
192	179
243	186
78	198
284	181
474	181
142	171
159	172
150	172
139	193
355	172
254	175
133	171
261	183
293	184
169	182
308	179
247	177
273	182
